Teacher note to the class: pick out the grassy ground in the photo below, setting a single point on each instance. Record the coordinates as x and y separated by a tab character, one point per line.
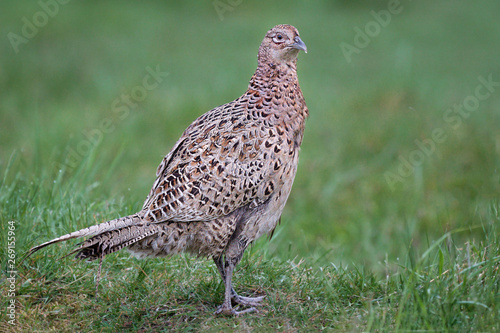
393	222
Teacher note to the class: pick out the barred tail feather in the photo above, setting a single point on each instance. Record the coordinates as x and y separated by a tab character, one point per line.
114	240
116	224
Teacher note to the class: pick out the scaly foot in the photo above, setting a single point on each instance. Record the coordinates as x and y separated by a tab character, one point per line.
230	311
247	301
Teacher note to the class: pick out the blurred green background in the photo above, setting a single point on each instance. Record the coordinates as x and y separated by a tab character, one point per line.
365	114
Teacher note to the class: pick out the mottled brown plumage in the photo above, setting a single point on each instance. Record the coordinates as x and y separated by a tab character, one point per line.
226	180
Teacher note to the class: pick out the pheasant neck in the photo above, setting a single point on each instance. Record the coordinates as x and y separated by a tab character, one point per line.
270	75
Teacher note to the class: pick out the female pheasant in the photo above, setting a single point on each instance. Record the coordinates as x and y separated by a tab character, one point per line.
226	180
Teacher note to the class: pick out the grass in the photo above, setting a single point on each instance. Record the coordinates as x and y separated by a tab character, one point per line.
353	252
449	287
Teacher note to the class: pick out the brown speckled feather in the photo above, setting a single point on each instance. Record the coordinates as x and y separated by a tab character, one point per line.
234	155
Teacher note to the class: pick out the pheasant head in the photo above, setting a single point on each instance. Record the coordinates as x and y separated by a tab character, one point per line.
280	46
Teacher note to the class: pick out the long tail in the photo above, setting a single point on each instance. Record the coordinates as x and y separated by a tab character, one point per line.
106	237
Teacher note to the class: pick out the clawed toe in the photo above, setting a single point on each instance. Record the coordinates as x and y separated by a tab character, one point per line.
247	301
230	311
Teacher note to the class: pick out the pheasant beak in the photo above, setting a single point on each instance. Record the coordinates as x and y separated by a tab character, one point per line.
299	44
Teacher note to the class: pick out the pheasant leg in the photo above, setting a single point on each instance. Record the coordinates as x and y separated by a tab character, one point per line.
226	272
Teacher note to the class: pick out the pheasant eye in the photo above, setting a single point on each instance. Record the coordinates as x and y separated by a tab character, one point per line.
278	38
